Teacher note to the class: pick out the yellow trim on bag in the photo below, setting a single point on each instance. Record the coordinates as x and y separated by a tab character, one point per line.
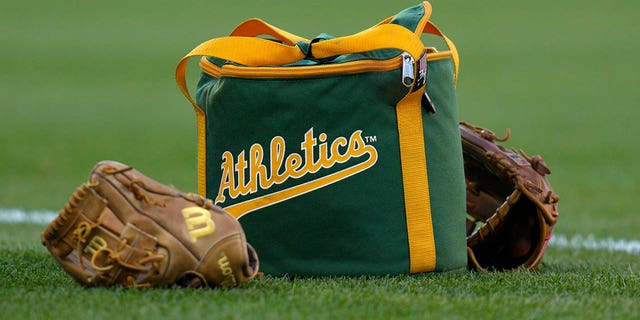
439	55
415	180
229	70
202	151
422	248
302	71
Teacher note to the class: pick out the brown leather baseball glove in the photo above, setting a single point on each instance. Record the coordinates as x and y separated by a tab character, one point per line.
511	207
124	229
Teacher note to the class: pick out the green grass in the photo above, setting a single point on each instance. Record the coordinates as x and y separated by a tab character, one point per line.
600	285
86	81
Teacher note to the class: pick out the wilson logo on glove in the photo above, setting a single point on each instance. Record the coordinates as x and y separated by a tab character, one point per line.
198	221
315	155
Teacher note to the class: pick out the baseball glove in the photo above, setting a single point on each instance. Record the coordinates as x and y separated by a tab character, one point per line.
511	207
124	229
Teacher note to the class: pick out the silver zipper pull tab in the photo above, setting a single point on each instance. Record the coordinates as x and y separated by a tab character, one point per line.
407	69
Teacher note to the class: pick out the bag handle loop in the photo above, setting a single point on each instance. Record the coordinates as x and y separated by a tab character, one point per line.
242	45
255	27
243	50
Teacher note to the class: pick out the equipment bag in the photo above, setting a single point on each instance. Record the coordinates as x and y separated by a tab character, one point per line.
329	151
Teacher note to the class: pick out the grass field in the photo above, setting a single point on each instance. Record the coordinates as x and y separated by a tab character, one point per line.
86	81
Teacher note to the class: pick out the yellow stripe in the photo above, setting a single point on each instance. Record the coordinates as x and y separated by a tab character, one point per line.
422	250
202	152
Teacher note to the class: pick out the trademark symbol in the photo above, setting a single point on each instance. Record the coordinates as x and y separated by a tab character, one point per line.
370	139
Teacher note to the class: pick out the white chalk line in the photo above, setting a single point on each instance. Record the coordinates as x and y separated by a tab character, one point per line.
30	217
588	242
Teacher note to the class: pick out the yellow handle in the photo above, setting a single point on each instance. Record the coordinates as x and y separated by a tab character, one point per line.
388	36
243	50
256	27
241	47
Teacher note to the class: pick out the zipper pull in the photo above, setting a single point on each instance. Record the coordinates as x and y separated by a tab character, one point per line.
408	75
421	81
407	69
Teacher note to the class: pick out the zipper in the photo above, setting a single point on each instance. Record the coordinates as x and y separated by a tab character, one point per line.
229	70
308	71
409	67
405	60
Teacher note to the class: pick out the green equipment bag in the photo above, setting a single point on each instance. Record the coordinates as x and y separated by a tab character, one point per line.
338	155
